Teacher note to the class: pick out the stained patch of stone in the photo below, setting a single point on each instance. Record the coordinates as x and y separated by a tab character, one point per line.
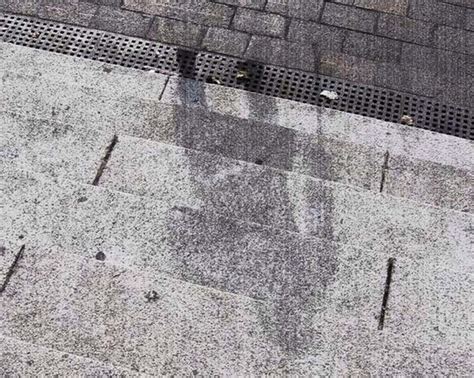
386	293
105	160
12	269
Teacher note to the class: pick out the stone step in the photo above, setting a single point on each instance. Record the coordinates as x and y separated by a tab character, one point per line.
53	148
141	321
302	138
24	359
424	166
320	301
197	246
280	199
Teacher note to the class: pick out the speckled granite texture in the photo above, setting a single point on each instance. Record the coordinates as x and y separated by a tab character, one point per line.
425	47
170	227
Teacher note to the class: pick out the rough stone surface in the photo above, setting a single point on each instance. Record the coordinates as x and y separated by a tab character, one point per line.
438	12
201	11
67	11
21	358
28	143
399	7
121	21
372	47
348	17
217	252
263	195
405	29
256	22
226	41
289	54
443	26
302	9
176	32
116	323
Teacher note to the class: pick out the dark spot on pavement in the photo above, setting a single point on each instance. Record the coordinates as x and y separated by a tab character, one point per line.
82	199
151	296
100	256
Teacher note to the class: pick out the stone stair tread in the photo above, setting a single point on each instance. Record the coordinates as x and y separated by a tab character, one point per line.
278	198
315	141
333	287
22	358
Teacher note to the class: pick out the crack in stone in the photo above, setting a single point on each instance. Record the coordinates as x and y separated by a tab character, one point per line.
105	160
12	268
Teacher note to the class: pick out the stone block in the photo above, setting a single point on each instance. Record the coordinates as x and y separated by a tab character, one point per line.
226	41
408	79
71	11
176	32
256	22
470	20
27	7
437	12
405	29
399	7
121	21
372	47
323	36
348	67
348	17
337	125
198	11
281	53
452	39
302	9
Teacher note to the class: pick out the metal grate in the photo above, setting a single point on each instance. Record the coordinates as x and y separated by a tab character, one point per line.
275	81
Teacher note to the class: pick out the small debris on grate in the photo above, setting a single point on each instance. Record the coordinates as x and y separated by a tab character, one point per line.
407	120
330	95
213	80
242	75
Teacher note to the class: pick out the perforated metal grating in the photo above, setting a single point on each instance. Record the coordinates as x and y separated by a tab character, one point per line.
281	82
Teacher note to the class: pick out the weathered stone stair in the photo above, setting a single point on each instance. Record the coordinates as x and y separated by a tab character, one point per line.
226	233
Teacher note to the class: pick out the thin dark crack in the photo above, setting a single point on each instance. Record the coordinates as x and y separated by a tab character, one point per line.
384	170
105	160
164	88
12	268
386	293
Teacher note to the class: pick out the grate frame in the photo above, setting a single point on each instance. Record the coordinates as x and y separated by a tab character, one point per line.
376	102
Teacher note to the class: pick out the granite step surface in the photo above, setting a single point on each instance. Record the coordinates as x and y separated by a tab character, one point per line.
134	319
280	199
24	359
317	302
201	252
315	141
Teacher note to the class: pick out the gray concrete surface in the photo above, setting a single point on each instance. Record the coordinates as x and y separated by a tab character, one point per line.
192	257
